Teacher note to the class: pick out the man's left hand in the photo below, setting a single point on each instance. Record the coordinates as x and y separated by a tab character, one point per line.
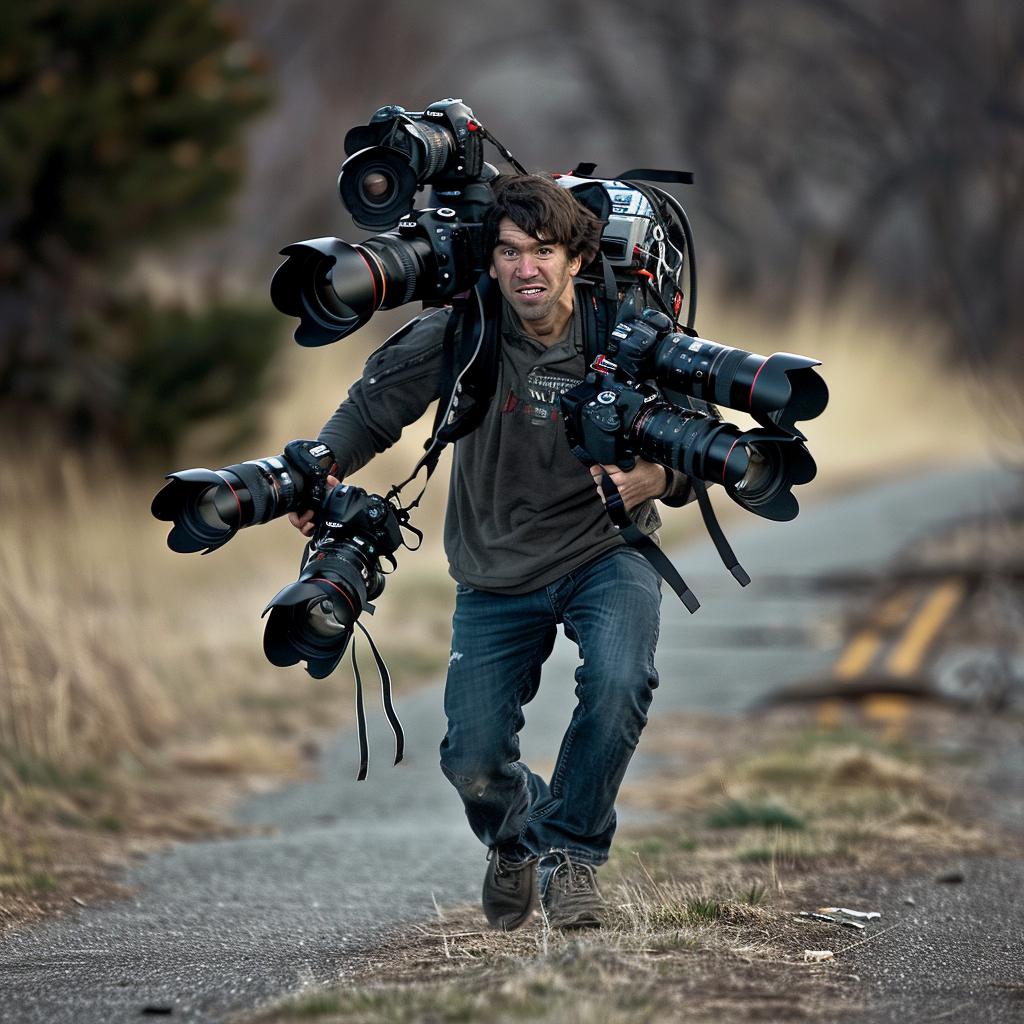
645	480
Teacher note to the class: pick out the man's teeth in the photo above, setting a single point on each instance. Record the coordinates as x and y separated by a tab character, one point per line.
530	291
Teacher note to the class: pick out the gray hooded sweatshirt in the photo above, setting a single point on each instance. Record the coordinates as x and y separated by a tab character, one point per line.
522	509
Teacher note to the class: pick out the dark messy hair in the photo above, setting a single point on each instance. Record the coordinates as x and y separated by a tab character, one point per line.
544	210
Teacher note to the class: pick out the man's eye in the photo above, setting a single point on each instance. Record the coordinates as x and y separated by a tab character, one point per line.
510	254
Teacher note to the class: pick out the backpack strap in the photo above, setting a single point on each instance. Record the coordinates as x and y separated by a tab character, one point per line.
469	375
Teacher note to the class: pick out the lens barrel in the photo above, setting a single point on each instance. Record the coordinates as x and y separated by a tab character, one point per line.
777	390
612	421
334	287
208	507
312	619
757	470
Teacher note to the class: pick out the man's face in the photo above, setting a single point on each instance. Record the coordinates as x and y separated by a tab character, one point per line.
533	274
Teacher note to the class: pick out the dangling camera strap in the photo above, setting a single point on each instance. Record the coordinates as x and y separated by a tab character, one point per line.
636	538
713	527
386	700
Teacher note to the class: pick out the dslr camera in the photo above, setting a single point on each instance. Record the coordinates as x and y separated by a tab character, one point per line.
313	618
430	255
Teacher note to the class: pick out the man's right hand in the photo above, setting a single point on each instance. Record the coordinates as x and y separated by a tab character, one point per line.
304	523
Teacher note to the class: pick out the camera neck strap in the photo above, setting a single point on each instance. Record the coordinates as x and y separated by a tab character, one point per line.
386	699
469	374
714	528
636	538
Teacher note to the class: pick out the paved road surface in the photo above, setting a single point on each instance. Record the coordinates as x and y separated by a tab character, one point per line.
217	927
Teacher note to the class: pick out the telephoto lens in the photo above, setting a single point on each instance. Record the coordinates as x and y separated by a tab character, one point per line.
777	390
757	470
611	421
312	619
208	507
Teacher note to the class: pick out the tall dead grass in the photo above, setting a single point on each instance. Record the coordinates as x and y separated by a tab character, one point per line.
75	684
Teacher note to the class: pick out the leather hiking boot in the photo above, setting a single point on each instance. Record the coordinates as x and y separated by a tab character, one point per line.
510	891
571	896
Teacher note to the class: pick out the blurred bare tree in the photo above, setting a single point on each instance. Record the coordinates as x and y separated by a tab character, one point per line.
883	138
836	140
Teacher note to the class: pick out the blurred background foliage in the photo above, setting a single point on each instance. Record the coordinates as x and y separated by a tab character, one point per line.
120	125
876	146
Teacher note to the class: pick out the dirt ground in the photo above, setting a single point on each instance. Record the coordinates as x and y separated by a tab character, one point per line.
759	819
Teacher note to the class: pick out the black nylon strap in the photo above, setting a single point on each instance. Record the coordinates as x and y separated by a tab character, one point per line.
652	174
386	700
711	523
385	691
448	360
607	307
364	746
636	538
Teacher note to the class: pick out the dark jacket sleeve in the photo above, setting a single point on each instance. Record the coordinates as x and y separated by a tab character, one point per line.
399	382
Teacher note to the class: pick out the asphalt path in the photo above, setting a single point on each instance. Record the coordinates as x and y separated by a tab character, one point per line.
218	927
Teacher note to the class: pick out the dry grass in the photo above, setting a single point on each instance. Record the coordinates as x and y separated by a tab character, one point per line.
75	685
697	929
129	672
666	952
134	694
814	799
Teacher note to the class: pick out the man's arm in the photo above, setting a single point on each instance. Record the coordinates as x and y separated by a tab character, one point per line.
398	383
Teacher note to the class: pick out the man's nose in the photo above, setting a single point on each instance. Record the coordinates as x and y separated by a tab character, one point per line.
526	267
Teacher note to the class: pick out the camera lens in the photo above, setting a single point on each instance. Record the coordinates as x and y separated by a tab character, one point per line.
757	472
376	184
322	621
218	507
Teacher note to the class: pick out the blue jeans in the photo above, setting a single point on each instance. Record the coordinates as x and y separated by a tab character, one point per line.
610	607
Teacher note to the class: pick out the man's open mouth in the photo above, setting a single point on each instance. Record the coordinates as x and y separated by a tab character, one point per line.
532	290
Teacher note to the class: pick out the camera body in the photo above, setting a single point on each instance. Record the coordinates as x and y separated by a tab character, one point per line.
313	618
400	151
776	390
430	254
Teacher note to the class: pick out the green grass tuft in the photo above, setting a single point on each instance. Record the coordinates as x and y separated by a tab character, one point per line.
736	814
755	894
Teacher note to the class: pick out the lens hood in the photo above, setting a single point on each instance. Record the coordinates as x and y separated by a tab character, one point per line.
331	286
178	502
377	212
288	638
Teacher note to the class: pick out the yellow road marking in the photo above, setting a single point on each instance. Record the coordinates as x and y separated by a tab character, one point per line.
907	655
893	612
859	654
862	650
